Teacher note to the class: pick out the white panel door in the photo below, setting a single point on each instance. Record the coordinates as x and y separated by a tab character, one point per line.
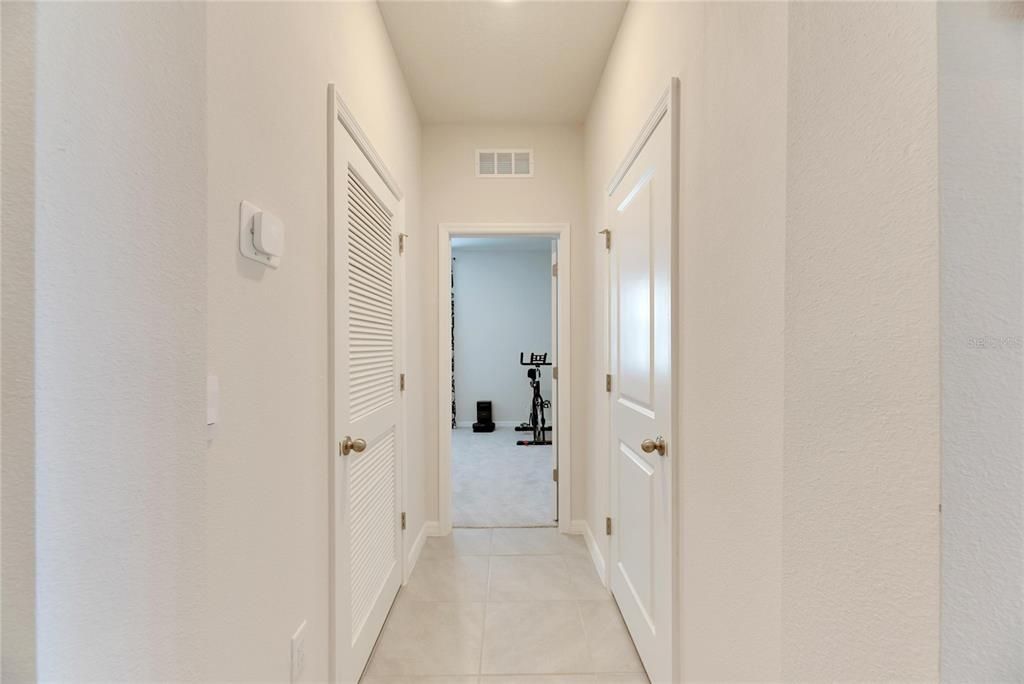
366	477
641	345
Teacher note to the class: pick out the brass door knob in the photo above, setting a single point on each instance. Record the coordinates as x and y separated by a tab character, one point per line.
348	445
656	444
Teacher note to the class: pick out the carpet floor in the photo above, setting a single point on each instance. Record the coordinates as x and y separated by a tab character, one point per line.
498	484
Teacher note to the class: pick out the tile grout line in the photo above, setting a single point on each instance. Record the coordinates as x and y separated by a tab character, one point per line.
487	596
586	637
568	577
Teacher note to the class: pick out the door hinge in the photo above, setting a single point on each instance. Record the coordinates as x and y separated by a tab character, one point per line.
554	372
401	243
608	382
608	526
554	270
401	382
607	238
403	520
554	474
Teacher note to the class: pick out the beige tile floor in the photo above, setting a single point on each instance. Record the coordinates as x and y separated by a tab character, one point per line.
504	606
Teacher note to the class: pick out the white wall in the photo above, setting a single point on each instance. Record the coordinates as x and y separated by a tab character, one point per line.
981	67
502	308
453	194
120	322
809	308
267	487
862	452
162	556
17	554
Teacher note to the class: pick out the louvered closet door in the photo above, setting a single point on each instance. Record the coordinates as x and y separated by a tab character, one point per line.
367	509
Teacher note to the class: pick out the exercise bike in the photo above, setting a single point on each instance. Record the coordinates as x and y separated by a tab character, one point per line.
536	423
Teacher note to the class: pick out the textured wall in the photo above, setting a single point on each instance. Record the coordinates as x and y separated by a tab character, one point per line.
267	463
980	138
18	401
732	394
861	474
453	194
120	325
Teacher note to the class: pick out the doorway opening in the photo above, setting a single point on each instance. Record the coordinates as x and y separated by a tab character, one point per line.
503	341
504	349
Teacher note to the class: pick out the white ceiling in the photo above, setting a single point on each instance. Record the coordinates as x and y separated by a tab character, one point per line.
502	61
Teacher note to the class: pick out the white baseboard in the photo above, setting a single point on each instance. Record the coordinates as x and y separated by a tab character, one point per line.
583	527
432	528
414	551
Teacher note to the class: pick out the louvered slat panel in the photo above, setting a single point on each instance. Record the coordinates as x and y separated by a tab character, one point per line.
372	258
504	164
371	283
370	236
369	226
485	164
371	302
372	515
522	163
380	322
372	201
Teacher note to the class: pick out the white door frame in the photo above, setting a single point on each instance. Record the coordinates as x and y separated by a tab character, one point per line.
338	112
563	418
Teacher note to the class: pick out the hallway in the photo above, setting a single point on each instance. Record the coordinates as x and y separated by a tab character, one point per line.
508	602
774	289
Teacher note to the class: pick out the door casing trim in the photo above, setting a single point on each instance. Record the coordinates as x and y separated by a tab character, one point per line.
444	359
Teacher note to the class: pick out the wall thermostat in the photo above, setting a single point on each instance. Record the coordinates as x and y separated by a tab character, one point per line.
260	235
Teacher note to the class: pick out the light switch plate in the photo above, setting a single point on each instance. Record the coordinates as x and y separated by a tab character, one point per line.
298	653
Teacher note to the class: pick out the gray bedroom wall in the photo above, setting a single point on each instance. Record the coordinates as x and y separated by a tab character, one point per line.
502	308
981	102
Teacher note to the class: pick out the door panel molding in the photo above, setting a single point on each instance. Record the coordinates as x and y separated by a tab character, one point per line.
661	108
345	117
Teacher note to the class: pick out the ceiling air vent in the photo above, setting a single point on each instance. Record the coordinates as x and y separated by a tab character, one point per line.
504	163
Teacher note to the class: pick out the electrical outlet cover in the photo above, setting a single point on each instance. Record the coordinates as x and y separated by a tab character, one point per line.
298	653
